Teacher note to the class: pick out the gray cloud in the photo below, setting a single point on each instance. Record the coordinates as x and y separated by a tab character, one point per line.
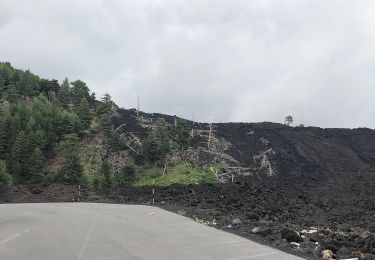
221	60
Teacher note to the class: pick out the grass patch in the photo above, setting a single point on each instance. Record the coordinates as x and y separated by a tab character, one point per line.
183	173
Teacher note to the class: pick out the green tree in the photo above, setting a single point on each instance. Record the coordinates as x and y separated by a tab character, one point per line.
106	173
29	84
72	124
36	166
12	94
49	86
288	120
183	136
5	178
115	141
127	174
71	172
105	124
79	91
105	105
20	155
84	112
14	128
157	144
63	94
39	139
4	137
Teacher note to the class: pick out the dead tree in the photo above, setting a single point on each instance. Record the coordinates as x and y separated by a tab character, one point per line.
209	137
264	162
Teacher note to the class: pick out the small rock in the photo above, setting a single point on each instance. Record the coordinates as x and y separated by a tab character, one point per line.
327	254
236	221
295	244
369	256
358	255
253	215
162	202
35	190
290	235
310	231
263	231
343	253
255	230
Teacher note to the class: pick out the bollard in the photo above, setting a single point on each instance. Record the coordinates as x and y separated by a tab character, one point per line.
79	193
153	196
153	193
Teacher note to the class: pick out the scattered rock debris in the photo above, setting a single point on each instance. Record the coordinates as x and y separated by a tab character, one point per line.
301	216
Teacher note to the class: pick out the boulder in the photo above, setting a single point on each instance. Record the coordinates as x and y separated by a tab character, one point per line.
290	235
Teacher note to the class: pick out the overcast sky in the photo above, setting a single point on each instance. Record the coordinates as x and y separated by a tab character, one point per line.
223	60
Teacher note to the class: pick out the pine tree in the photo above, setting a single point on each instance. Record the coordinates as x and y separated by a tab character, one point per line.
5	178
35	166
14	128
20	156
182	133
127	174
105	125
38	139
157	145
4	138
79	91
105	106
12	94
115	141
84	113
106	173
2	81
28	84
63	95
71	171
72	124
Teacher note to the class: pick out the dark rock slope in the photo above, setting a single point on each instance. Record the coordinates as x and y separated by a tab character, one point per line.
267	148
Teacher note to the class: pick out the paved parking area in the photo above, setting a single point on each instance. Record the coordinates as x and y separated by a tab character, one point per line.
90	231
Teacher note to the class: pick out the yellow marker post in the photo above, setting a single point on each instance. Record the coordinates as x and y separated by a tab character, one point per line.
79	192
153	193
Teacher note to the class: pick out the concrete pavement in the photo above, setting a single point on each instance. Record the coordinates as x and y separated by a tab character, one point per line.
90	231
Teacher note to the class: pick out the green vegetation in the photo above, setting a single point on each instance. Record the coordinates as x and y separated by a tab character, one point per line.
106	175
183	173
51	132
182	212
156	146
5	178
127	176
182	134
71	171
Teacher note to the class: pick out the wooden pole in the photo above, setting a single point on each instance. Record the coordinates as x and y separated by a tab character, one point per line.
138	106
209	137
153	193
79	193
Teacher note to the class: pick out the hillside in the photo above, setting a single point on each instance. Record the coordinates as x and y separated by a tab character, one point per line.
260	180
42	120
266	149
